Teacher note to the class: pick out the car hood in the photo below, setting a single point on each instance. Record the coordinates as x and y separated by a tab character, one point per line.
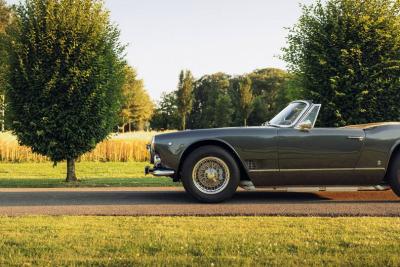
213	132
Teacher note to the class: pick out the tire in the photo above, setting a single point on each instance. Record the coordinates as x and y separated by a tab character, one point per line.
210	174
394	175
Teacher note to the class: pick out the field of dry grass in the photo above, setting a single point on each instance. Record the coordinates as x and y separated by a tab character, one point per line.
128	147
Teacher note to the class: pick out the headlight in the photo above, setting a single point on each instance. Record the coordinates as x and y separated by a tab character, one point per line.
153	141
157	160
150	147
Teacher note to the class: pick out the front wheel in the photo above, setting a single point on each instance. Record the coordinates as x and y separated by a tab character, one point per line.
394	175
210	174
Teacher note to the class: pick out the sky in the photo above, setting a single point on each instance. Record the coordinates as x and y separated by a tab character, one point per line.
204	36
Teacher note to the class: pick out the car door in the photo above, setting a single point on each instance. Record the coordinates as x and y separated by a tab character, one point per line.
319	156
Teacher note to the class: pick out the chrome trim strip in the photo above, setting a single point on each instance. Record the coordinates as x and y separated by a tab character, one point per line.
359	138
322	169
370	169
315	170
265	170
325	188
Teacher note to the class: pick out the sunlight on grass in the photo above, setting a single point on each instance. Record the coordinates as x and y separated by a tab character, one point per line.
91	174
222	241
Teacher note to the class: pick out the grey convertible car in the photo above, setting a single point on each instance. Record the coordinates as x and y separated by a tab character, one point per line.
287	153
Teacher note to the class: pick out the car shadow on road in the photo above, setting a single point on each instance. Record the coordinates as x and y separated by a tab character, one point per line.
70	198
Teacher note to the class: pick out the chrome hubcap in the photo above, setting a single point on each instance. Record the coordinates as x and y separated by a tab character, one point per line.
211	175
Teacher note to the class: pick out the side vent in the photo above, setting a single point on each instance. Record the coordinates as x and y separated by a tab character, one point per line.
251	164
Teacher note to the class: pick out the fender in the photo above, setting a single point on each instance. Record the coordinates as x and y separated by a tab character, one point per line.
217	142
393	149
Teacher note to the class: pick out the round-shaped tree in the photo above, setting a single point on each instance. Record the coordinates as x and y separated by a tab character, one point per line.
67	71
346	54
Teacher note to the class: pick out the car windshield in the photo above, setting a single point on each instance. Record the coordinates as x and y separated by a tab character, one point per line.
289	115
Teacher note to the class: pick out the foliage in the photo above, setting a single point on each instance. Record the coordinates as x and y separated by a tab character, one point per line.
5	15
5	20
207	90
224	110
221	100
260	112
67	77
291	89
346	55
199	241
245	98
166	115
185	96
270	87
137	106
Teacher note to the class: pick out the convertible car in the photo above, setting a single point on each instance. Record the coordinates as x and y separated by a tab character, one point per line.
287	153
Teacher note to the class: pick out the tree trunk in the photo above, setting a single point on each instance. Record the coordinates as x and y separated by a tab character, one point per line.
245	122
184	122
3	112
71	176
139	126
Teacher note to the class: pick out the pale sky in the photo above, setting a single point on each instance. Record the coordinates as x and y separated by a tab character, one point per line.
205	36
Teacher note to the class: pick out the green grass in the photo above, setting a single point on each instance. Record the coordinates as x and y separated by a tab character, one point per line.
212	241
91	174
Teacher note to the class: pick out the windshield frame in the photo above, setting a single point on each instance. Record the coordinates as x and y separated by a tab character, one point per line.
309	112
308	105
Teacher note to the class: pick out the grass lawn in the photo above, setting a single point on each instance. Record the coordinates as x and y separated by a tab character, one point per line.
91	174
212	241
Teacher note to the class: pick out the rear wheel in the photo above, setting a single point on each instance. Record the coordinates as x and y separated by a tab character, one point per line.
394	175
210	174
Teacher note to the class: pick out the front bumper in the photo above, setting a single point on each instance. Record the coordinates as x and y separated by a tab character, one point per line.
158	171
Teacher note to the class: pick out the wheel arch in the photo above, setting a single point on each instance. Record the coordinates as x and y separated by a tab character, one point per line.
219	143
393	153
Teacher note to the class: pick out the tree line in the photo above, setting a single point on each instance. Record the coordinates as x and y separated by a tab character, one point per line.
222	100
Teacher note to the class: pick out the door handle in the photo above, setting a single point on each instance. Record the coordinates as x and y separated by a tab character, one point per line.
359	138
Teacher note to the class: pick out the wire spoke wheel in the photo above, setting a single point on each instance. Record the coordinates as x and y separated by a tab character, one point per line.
211	175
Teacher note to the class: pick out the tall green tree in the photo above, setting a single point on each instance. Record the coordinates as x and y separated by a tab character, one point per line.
207	90
246	98
5	15
185	96
166	115
5	20
270	86
272	90
137	107
346	54
260	113
291	89
224	109
68	72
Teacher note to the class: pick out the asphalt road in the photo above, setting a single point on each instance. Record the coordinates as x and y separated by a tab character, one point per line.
174	202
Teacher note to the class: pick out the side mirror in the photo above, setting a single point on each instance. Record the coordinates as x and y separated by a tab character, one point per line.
305	126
